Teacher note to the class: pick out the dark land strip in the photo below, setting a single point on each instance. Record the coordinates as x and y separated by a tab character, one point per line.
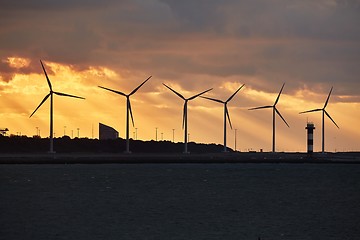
233	157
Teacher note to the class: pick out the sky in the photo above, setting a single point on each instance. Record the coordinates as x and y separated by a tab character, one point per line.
191	46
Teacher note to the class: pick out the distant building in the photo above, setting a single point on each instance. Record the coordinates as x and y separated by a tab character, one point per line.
3	131
107	132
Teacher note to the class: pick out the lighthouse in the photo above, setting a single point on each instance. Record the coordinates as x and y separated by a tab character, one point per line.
310	137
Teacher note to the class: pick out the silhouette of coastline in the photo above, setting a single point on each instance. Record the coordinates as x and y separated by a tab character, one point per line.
24	144
22	149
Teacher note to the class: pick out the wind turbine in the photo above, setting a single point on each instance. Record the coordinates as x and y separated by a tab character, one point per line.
51	107
128	109
274	111
185	112
323	118
226	112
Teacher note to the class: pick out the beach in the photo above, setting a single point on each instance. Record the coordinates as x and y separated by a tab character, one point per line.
180	201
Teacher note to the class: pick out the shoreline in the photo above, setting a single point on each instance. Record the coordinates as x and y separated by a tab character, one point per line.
139	158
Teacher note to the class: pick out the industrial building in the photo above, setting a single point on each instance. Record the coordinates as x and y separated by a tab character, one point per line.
107	132
3	131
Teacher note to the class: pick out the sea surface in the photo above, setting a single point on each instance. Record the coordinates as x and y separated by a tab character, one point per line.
180	201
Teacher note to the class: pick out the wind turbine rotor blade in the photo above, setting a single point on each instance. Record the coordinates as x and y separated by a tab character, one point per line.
331	118
131	114
67	95
213	99
281	116
228	116
260	107
314	110
234	93
45	98
181	96
184	114
47	78
114	91
277	99
199	94
327	100
134	91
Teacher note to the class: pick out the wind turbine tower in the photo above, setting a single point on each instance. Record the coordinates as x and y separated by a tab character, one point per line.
185	112
274	111
226	112
128	109
50	94
323	119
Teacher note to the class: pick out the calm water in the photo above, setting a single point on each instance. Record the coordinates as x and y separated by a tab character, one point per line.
180	201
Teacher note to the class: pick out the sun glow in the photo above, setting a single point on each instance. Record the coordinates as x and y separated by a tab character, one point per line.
157	107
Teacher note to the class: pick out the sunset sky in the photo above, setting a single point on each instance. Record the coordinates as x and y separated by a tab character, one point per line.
190	46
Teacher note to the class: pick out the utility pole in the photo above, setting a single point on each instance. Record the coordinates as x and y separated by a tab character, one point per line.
173	134
235	139
156	134
135	133
78	130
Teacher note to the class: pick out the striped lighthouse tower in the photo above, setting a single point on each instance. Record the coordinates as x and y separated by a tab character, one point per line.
310	137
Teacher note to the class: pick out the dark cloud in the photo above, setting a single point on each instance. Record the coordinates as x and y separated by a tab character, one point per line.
277	18
198	15
53	5
7	72
303	43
